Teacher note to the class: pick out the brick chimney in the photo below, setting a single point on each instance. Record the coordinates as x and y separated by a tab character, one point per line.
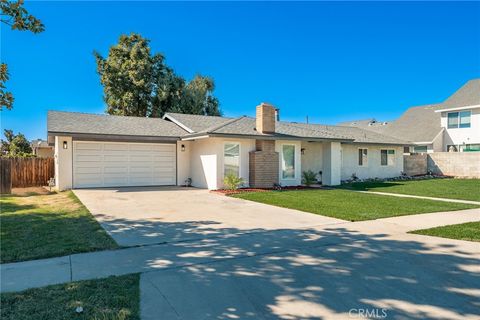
266	118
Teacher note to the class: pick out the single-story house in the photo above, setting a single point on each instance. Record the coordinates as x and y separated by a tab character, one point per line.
110	151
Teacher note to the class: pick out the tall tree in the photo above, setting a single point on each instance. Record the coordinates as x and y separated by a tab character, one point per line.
17	17
139	83
15	145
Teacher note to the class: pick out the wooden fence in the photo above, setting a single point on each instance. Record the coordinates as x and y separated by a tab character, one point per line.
26	172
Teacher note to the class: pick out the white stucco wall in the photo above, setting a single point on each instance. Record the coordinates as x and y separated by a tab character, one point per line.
298	163
63	163
332	155
183	162
312	159
206	161
460	136
373	169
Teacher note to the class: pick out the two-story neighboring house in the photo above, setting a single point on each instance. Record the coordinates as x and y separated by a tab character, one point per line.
460	118
453	125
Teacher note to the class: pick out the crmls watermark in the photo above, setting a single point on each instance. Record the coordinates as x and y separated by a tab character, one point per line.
373	313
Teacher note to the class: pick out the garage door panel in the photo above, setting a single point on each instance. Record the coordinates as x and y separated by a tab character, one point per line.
117	170
115	147
88	158
89	170
107	164
115	158
88	146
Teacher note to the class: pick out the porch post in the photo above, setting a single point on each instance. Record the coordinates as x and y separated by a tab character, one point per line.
332	163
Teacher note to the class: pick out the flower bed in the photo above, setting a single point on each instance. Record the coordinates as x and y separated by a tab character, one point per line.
246	190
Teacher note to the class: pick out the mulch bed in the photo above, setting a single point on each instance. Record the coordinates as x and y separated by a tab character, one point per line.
245	190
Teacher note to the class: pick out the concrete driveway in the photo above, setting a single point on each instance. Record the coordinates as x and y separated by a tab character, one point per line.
151	215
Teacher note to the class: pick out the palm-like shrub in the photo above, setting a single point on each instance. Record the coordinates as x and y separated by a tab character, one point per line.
309	177
232	182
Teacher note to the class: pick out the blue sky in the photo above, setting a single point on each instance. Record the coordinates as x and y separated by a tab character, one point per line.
330	61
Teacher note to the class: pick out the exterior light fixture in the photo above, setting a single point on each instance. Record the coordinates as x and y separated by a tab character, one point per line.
302	150
183	148
65	145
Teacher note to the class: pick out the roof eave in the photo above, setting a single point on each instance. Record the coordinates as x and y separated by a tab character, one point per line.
458	108
112	137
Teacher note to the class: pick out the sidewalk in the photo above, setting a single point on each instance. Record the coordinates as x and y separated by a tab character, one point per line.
38	273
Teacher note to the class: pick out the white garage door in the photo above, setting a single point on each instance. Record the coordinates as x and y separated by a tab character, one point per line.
116	164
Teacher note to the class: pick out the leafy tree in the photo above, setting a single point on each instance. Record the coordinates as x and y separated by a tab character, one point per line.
17	17
139	83
15	145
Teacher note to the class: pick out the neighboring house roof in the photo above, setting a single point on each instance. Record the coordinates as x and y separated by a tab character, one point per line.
85	123
422	124
417	124
467	95
39	143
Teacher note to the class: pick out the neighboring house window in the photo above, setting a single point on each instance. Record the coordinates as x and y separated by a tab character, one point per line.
471	148
387	157
465	119
452	148
288	161
231	155
420	149
362	157
459	119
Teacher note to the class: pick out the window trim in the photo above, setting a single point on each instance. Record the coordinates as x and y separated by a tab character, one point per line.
239	157
358	160
294	162
459	118
394	157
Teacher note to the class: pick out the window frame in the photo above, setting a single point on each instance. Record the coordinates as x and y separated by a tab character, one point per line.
459	115
294	161
364	164
423	146
469	119
388	164
239	156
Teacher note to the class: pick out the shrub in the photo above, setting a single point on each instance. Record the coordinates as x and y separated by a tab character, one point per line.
232	182
309	177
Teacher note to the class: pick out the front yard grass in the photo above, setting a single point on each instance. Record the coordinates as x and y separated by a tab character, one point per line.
114	298
469	231
462	189
43	226
348	205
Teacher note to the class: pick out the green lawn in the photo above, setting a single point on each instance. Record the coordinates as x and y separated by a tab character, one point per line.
42	226
348	205
466	231
114	298
463	189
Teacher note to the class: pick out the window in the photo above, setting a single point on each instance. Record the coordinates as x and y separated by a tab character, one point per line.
459	119
288	161
472	148
231	156
465	119
362	157
387	157
420	149
452	148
